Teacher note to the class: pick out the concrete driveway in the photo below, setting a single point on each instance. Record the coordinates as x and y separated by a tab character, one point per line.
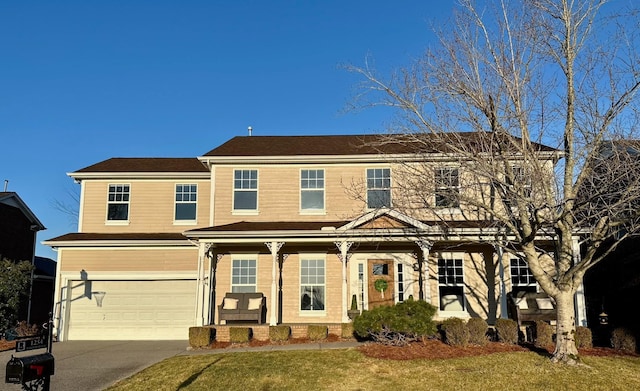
96	365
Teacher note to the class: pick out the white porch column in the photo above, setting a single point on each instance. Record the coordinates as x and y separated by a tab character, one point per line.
425	246
344	258
274	247
581	308
200	289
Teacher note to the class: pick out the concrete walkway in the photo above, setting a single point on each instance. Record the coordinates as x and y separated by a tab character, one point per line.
96	365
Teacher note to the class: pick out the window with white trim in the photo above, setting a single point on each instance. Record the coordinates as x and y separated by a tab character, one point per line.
447	187
312	284
186	202
522	279
245	190
243	275
378	188
118	202
312	190
451	282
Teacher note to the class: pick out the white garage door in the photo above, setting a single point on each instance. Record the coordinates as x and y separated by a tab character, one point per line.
132	310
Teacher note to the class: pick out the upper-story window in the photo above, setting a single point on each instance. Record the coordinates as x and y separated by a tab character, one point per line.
245	190
447	187
378	188
521	180
186	201
311	190
118	204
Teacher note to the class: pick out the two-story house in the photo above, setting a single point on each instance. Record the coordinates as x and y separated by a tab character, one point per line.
309	221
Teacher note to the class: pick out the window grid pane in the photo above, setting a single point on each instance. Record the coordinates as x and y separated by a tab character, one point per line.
186	197
312	285
520	273
243	275
118	202
245	194
447	187
450	272
312	189
378	188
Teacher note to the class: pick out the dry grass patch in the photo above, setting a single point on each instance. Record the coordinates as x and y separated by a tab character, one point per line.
349	369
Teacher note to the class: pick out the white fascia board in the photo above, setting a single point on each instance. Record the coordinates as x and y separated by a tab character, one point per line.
119	243
78	176
307	159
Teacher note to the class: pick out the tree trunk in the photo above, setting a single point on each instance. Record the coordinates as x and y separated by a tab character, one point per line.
566	351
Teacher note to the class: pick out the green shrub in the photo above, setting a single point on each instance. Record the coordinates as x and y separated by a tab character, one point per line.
507	330
455	332
398	324
347	330
583	338
623	339
239	334
544	334
317	332
201	337
279	333
477	328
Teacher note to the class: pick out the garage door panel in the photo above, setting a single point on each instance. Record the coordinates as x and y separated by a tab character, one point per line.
161	309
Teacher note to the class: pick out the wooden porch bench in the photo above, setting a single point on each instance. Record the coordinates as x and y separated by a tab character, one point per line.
242	307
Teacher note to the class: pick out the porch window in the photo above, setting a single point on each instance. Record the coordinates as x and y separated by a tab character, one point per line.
312	284
186	198
378	188
451	282
522	279
245	190
118	203
311	190
447	187
243	275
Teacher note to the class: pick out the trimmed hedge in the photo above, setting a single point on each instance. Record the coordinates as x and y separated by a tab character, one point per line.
583	337
544	334
201	337
507	330
317	332
279	333
239	334
623	339
456	332
477	331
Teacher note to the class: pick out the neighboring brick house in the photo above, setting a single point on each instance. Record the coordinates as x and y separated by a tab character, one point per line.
18	230
308	221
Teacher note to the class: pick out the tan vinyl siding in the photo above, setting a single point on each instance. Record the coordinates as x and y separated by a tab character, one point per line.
151	206
127	260
279	193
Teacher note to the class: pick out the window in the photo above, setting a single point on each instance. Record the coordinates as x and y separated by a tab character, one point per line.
243	275
451	282
186	197
312	287
118	205
400	282
245	190
447	187
312	190
520	186
378	188
522	279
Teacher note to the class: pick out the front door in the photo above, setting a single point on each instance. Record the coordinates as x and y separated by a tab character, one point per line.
380	282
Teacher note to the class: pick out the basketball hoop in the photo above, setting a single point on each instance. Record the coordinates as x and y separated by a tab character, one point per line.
99	297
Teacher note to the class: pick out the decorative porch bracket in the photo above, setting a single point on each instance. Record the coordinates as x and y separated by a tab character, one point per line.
344	256
274	248
425	246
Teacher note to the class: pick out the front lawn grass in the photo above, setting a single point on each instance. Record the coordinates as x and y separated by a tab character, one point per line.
350	370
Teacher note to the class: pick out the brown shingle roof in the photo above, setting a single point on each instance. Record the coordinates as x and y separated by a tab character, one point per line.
117	164
372	144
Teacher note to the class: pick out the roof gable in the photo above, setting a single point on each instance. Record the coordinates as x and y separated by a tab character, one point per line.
12	199
385	218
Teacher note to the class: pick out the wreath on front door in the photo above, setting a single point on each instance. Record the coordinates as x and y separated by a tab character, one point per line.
381	285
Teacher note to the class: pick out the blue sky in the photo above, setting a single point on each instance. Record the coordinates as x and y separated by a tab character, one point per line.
83	81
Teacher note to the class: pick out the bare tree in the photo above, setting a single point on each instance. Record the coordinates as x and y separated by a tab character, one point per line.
501	83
